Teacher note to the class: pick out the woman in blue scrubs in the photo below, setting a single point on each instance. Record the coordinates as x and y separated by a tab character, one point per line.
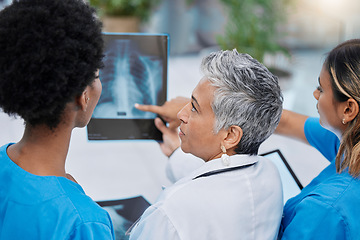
50	53
329	207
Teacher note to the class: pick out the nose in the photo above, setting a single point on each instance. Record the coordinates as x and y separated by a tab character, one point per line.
183	115
316	94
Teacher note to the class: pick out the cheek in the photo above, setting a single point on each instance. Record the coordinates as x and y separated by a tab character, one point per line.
99	90
206	139
321	109
321	104
197	134
326	113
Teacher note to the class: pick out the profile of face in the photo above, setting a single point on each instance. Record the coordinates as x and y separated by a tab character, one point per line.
197	124
329	109
94	95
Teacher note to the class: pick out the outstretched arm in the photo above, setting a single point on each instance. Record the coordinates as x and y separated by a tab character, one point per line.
168	111
292	125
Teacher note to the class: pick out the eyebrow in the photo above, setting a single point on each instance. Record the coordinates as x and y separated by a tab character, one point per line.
319	81
193	98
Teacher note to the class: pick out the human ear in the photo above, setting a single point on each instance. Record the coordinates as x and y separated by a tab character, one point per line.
351	110
82	100
233	136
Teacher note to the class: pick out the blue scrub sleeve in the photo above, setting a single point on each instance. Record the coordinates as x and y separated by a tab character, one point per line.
306	224
325	141
92	231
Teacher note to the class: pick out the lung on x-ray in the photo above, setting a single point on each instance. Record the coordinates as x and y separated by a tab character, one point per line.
135	71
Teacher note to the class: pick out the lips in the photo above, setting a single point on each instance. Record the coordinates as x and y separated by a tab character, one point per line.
181	133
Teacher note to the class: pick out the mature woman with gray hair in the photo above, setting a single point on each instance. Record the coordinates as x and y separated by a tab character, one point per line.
233	194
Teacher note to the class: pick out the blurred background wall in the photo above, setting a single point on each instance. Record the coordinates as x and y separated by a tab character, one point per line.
307	23
3	3
322	23
194	24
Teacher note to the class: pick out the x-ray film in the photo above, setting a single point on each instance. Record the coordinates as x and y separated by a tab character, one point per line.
135	71
124	213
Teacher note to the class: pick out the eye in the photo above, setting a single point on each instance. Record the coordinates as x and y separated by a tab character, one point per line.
319	89
193	109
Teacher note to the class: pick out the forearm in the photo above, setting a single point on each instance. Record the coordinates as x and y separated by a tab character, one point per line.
292	125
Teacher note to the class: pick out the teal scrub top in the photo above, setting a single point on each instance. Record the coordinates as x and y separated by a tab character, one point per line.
329	207
47	207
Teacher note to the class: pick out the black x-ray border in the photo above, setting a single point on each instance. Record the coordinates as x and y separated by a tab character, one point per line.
278	152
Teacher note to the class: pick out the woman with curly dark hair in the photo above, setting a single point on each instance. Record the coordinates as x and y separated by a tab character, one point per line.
50	53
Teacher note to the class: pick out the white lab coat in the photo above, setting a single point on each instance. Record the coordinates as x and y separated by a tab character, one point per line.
240	204
181	164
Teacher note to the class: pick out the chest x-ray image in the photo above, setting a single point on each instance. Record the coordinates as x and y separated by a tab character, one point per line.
128	77
135	71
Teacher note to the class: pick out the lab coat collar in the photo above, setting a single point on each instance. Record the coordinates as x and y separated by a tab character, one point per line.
216	164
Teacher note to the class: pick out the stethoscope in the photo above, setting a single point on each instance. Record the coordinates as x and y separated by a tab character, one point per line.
215	172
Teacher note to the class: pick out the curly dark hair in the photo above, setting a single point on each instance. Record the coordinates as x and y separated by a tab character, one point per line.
50	51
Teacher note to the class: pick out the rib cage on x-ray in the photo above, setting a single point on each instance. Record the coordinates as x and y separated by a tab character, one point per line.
128	77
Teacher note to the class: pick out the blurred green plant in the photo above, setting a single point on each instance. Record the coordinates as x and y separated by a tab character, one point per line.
253	26
138	8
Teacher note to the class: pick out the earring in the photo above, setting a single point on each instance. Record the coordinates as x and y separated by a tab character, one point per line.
224	157
343	121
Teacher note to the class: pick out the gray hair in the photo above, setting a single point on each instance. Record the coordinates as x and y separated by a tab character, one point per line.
247	95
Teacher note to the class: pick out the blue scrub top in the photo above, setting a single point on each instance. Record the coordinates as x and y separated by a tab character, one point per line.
329	207
46	207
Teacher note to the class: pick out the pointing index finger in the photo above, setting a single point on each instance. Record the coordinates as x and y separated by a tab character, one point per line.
149	108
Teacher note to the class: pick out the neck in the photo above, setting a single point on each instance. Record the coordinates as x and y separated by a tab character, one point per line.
229	152
337	132
42	151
